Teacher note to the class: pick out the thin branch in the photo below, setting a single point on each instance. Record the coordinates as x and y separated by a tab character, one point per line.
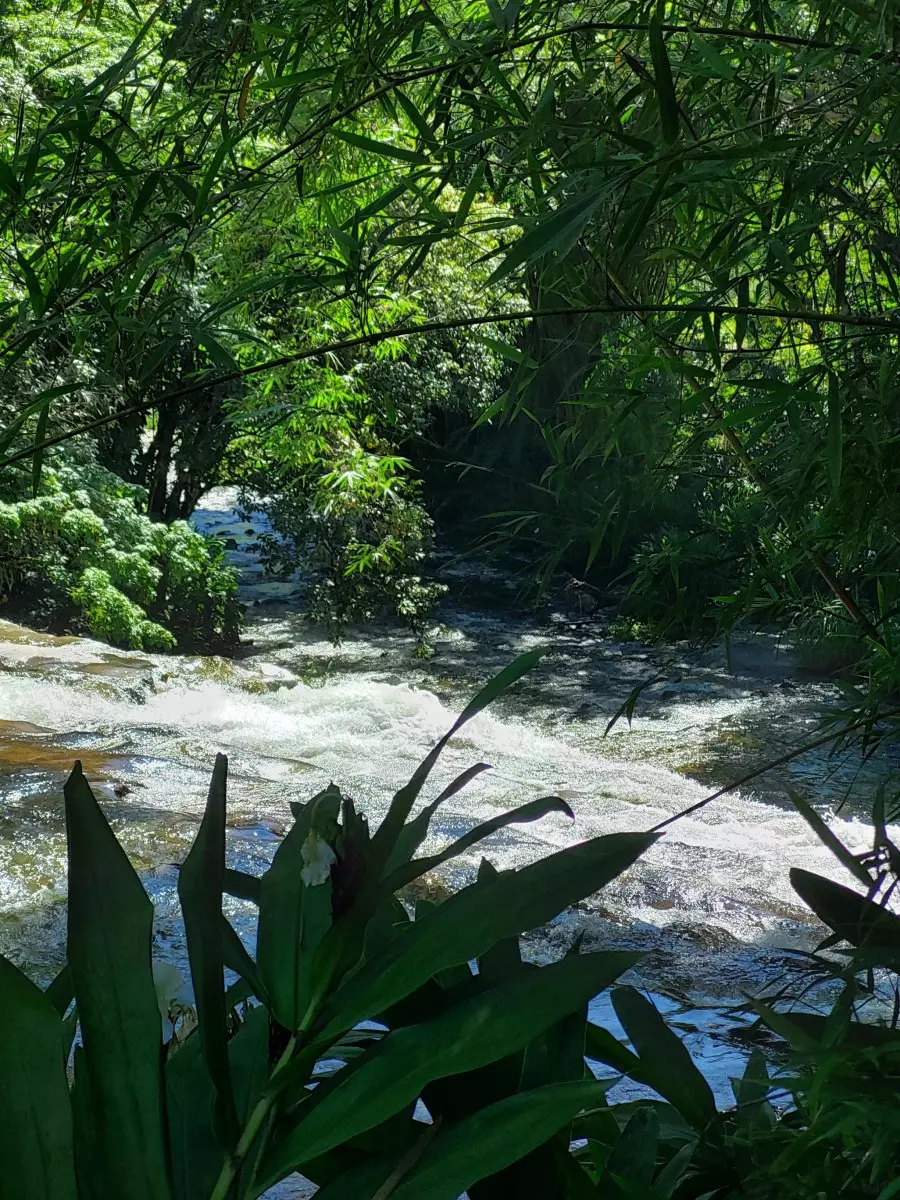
770	766
883	324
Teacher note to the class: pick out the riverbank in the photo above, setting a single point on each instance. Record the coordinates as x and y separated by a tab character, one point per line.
710	906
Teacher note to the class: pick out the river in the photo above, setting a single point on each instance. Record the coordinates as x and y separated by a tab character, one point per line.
711	904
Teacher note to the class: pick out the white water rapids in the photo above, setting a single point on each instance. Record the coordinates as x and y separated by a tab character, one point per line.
711	903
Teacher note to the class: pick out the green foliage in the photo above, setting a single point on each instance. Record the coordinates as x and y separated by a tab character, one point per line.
82	554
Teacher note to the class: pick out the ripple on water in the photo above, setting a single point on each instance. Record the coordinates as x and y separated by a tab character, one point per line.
710	903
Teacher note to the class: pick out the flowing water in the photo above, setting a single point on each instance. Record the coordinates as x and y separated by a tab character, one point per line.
711	904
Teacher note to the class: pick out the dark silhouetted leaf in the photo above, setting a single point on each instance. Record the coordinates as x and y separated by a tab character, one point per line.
109	939
36	1125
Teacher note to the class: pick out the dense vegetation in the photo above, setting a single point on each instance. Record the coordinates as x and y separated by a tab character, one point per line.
295	247
611	286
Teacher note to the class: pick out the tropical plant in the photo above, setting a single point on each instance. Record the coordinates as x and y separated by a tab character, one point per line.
315	1056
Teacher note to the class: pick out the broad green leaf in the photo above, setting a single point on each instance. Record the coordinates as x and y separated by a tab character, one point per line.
36	1126
486	1028
294	915
196	1152
241	885
200	884
59	991
468	924
600	1045
362	1180
753	1110
455	1097
237	958
852	917
557	1056
666	1065
632	1159
495	1137
109	940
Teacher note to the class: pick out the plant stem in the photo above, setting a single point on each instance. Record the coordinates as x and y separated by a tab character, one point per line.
232	1164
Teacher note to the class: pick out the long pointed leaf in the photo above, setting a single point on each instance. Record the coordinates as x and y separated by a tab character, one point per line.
854	918
533	811
200	884
36	1147
414	832
469	923
666	1064
386	836
665	88
294	916
489	1027
495	1137
109	939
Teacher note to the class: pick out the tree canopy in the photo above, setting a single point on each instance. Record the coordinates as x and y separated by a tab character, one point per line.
650	251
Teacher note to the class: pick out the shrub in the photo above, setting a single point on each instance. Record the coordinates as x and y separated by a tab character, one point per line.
81	554
350	511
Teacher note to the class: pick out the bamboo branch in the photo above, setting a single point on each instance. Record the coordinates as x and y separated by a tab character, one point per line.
880	323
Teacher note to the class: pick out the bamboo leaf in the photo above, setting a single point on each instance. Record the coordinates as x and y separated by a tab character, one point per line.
212	172
385	149
557	232
828	838
662	79
717	63
835	436
37	461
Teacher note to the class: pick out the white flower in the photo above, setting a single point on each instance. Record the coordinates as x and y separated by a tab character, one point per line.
318	858
172	995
